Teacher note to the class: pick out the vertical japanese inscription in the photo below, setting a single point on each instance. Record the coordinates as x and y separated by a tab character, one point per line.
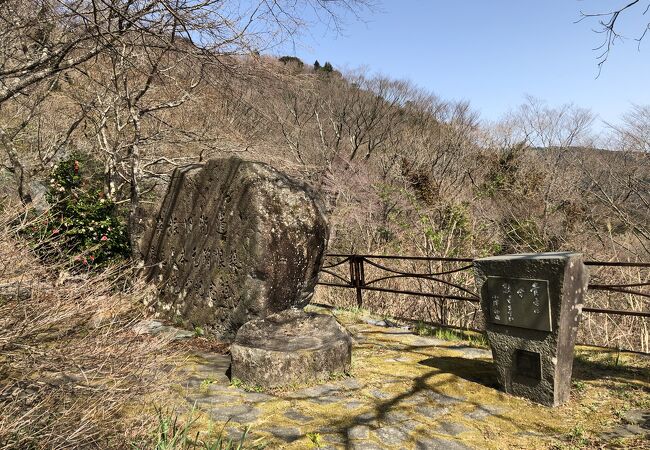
213	245
519	302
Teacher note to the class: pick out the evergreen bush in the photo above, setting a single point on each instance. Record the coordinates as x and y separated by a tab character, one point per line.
82	226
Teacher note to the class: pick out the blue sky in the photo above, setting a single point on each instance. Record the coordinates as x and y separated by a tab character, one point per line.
492	53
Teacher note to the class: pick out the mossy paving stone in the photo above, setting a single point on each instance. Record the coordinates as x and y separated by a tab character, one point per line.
365	446
431	412
297	416
440	444
399	359
207	400
369	417
424	341
286	434
334	438
354	404
391	435
381	395
237	413
359	432
469	352
483	411
434	399
451	428
257	397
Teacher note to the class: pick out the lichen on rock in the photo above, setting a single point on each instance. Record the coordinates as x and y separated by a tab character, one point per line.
289	348
233	241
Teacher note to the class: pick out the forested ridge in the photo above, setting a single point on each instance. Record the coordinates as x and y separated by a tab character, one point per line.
401	170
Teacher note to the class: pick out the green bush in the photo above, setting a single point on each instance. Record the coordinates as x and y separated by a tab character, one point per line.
82	225
292	60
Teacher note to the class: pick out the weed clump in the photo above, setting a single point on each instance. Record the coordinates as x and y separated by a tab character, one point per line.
172	434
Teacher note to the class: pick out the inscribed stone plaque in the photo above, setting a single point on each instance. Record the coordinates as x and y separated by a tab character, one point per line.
533	322
519	302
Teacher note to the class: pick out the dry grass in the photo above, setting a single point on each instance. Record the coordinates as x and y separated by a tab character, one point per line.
70	365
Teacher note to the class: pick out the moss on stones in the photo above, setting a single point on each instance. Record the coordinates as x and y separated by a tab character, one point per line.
404	393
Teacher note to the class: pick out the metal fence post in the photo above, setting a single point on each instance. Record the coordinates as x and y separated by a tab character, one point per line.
361	280
357	276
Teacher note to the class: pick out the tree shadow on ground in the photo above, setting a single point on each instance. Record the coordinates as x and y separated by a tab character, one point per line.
383	412
423	389
475	370
587	369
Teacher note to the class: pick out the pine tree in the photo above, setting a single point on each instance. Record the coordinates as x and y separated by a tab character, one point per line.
316	65
328	67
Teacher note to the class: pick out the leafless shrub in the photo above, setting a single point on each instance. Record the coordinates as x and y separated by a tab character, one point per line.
610	330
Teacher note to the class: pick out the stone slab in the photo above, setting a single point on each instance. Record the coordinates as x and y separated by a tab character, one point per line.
291	347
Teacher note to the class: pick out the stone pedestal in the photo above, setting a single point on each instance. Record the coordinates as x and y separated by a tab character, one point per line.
290	347
532	305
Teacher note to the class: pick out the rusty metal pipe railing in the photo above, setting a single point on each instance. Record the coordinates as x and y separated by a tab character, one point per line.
357	279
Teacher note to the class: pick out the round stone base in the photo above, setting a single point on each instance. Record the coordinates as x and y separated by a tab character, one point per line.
290	347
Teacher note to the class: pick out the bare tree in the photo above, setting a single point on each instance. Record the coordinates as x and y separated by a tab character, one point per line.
376	111
532	177
609	24
619	187
550	127
44	39
294	111
633	134
30	139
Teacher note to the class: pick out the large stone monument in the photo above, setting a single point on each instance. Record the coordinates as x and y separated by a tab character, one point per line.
233	241
288	348
532	305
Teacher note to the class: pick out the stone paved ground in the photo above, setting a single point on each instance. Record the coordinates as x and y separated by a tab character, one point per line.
414	392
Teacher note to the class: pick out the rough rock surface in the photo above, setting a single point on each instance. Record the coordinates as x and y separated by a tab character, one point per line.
233	241
290	347
16	290
156	328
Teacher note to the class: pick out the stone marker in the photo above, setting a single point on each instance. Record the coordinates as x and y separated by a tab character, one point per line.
233	241
532	305
16	290
291	347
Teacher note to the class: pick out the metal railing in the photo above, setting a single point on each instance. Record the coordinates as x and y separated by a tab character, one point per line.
623	288
357	279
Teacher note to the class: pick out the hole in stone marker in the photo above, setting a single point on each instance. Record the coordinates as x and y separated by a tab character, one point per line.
528	366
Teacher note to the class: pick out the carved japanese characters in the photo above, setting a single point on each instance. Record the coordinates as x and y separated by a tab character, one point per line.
233	241
519	302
